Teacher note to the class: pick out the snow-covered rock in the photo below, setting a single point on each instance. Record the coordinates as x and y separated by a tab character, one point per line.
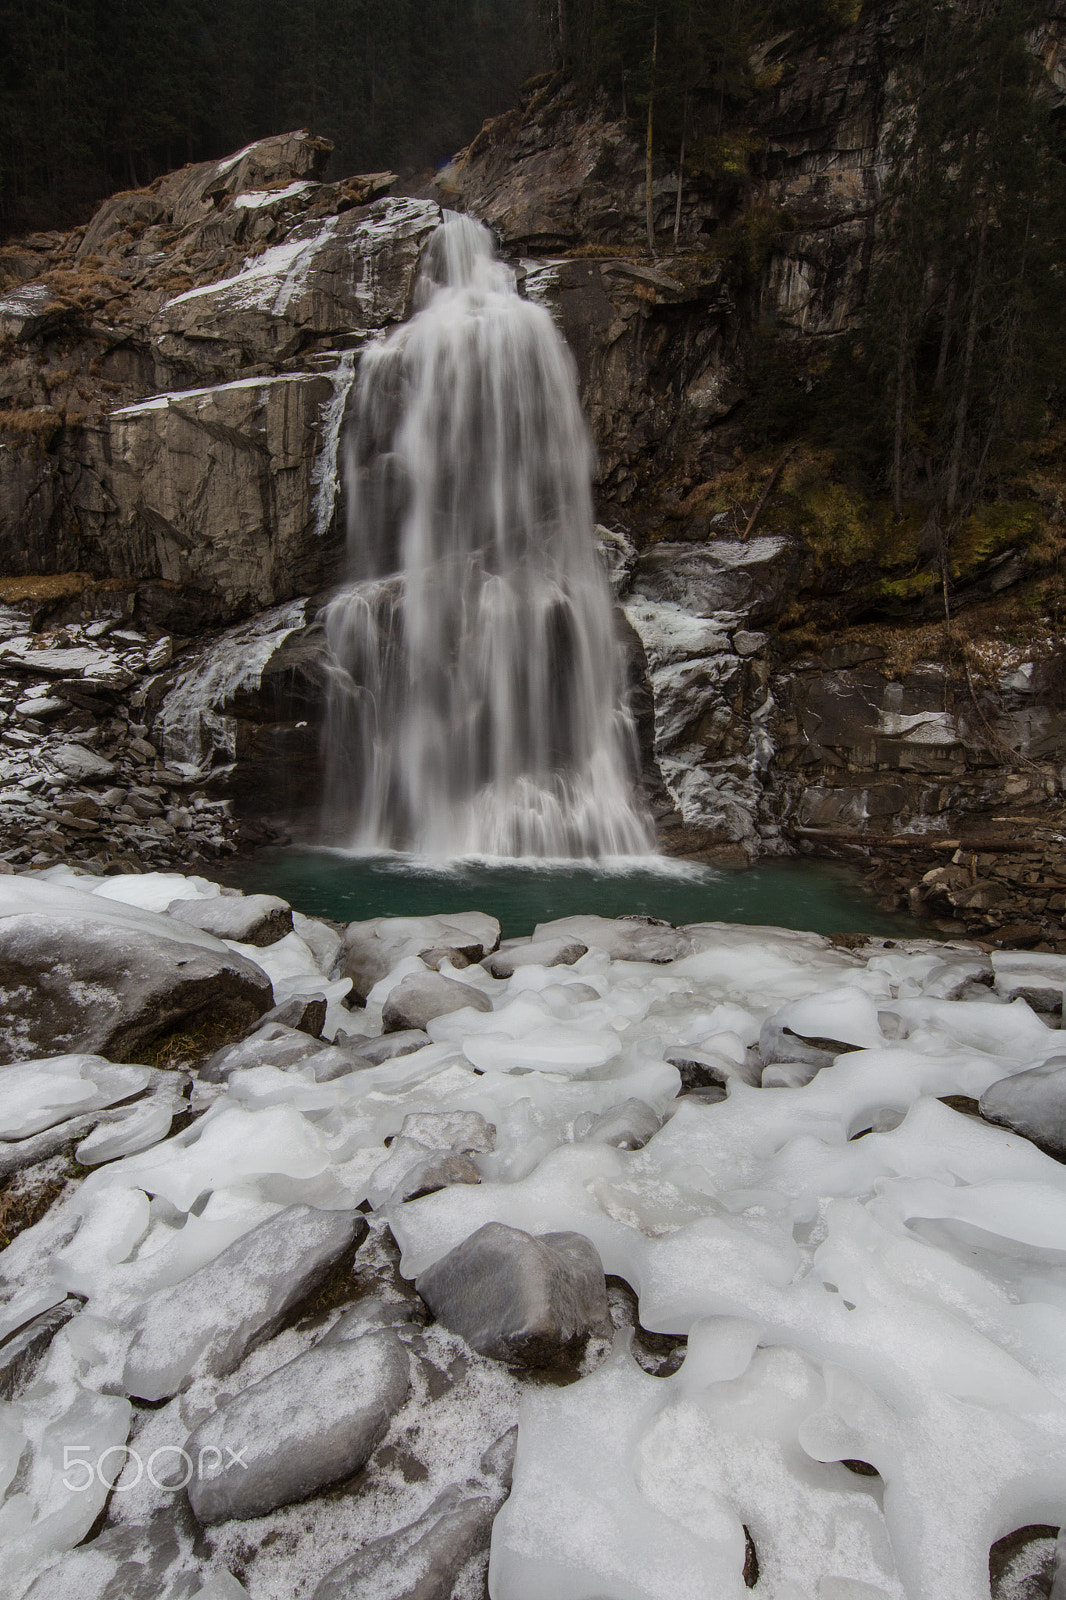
208	1320
77	973
311	1423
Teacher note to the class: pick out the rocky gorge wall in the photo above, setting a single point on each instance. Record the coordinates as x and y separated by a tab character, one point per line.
171	400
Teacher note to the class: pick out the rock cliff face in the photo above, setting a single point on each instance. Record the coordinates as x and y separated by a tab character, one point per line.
172	396
234	294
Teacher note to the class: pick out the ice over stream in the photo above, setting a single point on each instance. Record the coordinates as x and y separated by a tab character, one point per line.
864	1273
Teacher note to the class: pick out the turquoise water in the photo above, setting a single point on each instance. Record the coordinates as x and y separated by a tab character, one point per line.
813	895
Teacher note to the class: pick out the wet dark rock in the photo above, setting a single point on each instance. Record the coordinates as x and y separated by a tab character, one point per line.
516	1297
304	1013
417	999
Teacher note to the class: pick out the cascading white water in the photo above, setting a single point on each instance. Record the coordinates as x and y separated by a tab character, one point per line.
477	704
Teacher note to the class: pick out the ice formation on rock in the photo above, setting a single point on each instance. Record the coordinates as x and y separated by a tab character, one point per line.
859	1276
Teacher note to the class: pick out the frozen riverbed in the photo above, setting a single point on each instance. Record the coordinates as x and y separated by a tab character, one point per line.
846	1379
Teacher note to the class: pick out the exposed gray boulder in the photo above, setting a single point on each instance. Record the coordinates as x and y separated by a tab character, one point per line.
258	919
210	1319
540	953
311	1423
272	1045
304	1013
1033	1104
437	1170
519	1298
423	1560
373	948
136	1561
1037	977
450	1130
367	1316
78	973
419	998
81	765
404	1042
431	1151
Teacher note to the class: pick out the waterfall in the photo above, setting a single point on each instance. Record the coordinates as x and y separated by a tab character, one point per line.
477	702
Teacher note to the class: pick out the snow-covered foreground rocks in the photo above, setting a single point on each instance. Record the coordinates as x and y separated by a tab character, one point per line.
216	1341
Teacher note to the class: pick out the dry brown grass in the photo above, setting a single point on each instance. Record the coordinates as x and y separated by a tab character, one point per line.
24	1203
31	425
55	586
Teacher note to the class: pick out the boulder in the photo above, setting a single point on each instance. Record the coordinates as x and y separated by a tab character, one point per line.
519	1298
390	1046
423	1560
420	997
437	1170
373	948
1033	1104
258	919
329	278
313	1422
431	1151
628	1126
450	1130
1037	977
81	973
539	953
209	1320
134	1561
623	938
272	1045
303	1013
81	765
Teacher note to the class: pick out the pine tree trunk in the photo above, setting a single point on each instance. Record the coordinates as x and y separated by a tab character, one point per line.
962	410
680	177
897	442
649	218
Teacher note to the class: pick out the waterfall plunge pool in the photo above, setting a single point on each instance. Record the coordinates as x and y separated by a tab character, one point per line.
815	896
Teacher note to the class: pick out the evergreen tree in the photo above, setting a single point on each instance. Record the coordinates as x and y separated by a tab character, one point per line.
966	305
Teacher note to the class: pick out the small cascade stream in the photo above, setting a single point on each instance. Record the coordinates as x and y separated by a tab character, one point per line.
477	704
